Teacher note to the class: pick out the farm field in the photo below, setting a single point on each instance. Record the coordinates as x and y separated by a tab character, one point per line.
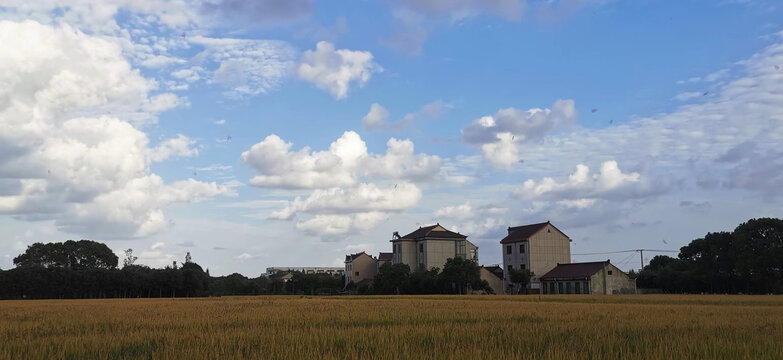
431	327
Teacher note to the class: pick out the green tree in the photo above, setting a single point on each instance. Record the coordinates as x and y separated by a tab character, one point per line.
82	254
129	258
460	276
521	278
759	250
391	278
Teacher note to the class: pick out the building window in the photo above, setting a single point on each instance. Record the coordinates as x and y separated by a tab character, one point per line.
551	288
568	288
578	287
586	287
473	255
459	248
421	247
521	248
508	249
510	269
523	267
559	288
609	272
357	273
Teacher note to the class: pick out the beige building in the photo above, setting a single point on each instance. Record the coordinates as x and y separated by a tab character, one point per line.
587	278
430	247
494	276
537	248
360	267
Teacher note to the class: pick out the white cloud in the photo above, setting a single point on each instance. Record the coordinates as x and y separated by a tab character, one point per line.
610	182
342	165
523	125
245	67
62	149
503	152
464	211
375	118
335	70
361	199
400	162
179	146
220	122
689	95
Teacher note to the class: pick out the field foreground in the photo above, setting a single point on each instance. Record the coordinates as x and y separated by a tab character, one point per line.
433	327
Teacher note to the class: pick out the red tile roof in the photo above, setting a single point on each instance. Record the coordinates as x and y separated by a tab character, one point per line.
384	256
575	270
428	232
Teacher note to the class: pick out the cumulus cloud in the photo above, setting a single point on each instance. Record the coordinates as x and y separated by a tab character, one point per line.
498	135
609	182
342	165
179	146
62	155
377	117
335	70
361	199
523	125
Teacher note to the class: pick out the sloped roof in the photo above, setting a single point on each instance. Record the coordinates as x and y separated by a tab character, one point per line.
495	270
524	232
385	256
575	270
429	232
354	256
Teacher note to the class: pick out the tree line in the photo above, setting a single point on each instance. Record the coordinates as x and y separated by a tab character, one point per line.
747	260
459	276
88	269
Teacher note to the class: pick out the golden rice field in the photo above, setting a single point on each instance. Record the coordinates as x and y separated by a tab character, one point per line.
410	327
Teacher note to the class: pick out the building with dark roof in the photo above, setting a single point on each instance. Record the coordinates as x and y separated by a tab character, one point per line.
493	274
535	247
384	258
430	246
599	277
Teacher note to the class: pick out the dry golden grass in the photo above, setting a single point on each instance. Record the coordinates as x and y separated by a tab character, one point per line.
431	327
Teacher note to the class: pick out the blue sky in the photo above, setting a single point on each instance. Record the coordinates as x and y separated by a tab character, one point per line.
625	123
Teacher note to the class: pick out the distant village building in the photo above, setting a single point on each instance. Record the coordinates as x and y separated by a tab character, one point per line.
336	271
384	258
430	247
535	247
360	267
494	276
587	278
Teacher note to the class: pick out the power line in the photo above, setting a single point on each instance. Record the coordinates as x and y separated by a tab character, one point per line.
625	251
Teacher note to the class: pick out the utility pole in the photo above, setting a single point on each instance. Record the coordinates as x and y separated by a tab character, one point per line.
641	258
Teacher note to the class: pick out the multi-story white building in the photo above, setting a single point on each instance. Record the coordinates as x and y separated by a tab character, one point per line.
538	248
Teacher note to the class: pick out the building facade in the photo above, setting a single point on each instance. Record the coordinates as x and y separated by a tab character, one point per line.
384	258
430	247
587	278
360	267
538	248
494	276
